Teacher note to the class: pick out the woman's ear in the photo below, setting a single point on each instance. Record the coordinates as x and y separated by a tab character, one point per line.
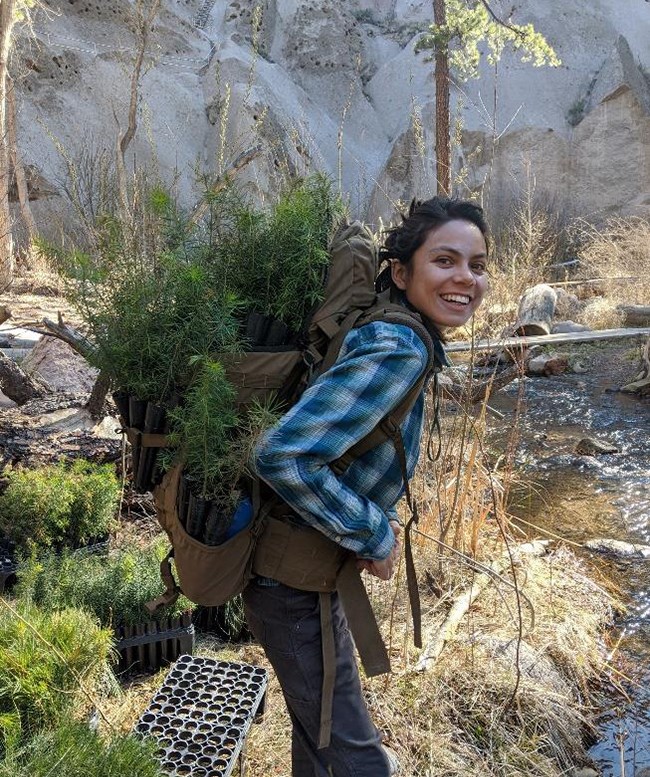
399	273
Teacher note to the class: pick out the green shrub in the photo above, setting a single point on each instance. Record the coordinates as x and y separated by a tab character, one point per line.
73	750
42	657
113	589
60	504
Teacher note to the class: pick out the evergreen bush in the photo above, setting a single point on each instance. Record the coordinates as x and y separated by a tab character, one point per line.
60	504
42	657
114	589
73	750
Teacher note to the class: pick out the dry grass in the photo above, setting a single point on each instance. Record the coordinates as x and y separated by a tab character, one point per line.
509	694
618	249
460	718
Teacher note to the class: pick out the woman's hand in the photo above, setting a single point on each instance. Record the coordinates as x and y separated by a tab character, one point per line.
385	568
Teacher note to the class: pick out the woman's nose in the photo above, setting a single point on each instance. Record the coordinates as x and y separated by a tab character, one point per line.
464	273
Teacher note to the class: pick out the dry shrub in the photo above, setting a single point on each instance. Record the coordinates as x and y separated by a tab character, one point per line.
602	313
617	250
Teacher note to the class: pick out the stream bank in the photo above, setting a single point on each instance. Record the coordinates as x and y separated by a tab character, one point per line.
581	497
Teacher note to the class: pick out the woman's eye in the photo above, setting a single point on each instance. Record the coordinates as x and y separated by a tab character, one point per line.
478	268
444	260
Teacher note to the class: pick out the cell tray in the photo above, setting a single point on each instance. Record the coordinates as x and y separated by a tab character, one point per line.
202	713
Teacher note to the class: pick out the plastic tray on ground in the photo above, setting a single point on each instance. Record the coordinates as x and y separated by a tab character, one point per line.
154	644
202	713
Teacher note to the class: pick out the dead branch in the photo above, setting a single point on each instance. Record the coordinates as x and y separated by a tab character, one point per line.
223	180
564	337
445	633
83	346
145	22
65	332
98	395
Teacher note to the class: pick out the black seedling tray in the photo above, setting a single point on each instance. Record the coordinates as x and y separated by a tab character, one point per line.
201	715
154	644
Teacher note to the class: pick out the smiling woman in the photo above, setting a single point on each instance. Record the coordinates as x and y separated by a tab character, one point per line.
437	268
438	260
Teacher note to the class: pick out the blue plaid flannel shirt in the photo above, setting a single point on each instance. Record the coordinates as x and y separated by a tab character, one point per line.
377	365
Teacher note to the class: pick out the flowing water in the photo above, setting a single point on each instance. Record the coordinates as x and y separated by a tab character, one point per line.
585	497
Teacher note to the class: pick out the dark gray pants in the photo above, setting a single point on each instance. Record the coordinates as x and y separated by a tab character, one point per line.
287	624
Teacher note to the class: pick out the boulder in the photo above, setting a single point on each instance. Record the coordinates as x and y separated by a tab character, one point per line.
533	664
62	368
590	446
547	364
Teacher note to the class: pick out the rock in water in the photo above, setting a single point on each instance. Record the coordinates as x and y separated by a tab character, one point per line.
590	446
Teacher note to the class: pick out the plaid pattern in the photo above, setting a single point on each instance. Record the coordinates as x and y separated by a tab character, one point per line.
377	365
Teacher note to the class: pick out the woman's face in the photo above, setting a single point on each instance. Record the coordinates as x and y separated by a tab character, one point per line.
446	278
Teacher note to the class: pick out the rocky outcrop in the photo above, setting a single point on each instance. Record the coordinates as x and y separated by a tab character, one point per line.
337	86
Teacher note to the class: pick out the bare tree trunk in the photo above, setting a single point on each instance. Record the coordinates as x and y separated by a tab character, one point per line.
7	9
144	24
17	165
443	131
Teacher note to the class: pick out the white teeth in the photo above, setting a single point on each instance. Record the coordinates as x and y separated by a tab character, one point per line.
464	300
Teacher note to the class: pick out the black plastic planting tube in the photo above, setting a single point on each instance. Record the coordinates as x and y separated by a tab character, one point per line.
216	526
183	497
196	511
154	423
137	412
121	399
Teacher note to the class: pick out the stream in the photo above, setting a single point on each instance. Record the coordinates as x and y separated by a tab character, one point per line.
587	497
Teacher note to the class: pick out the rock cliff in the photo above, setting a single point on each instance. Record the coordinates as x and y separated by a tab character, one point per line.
336	85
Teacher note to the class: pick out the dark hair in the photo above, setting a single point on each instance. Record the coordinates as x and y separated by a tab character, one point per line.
423	216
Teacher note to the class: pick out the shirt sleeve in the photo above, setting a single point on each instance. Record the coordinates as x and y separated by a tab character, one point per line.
378	365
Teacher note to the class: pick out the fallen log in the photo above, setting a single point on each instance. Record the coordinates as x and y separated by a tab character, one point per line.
445	633
564	337
17	384
536	309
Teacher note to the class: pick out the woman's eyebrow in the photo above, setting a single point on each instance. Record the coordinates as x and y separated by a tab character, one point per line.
451	250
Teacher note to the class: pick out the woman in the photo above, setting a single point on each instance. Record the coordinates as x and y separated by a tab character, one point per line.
437	267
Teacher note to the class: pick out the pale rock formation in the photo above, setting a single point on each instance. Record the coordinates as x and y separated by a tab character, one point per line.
337	86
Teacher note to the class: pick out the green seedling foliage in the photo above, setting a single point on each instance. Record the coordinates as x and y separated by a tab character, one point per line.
203	428
41	663
301	228
60	504
275	261
149	304
114	589
73	750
